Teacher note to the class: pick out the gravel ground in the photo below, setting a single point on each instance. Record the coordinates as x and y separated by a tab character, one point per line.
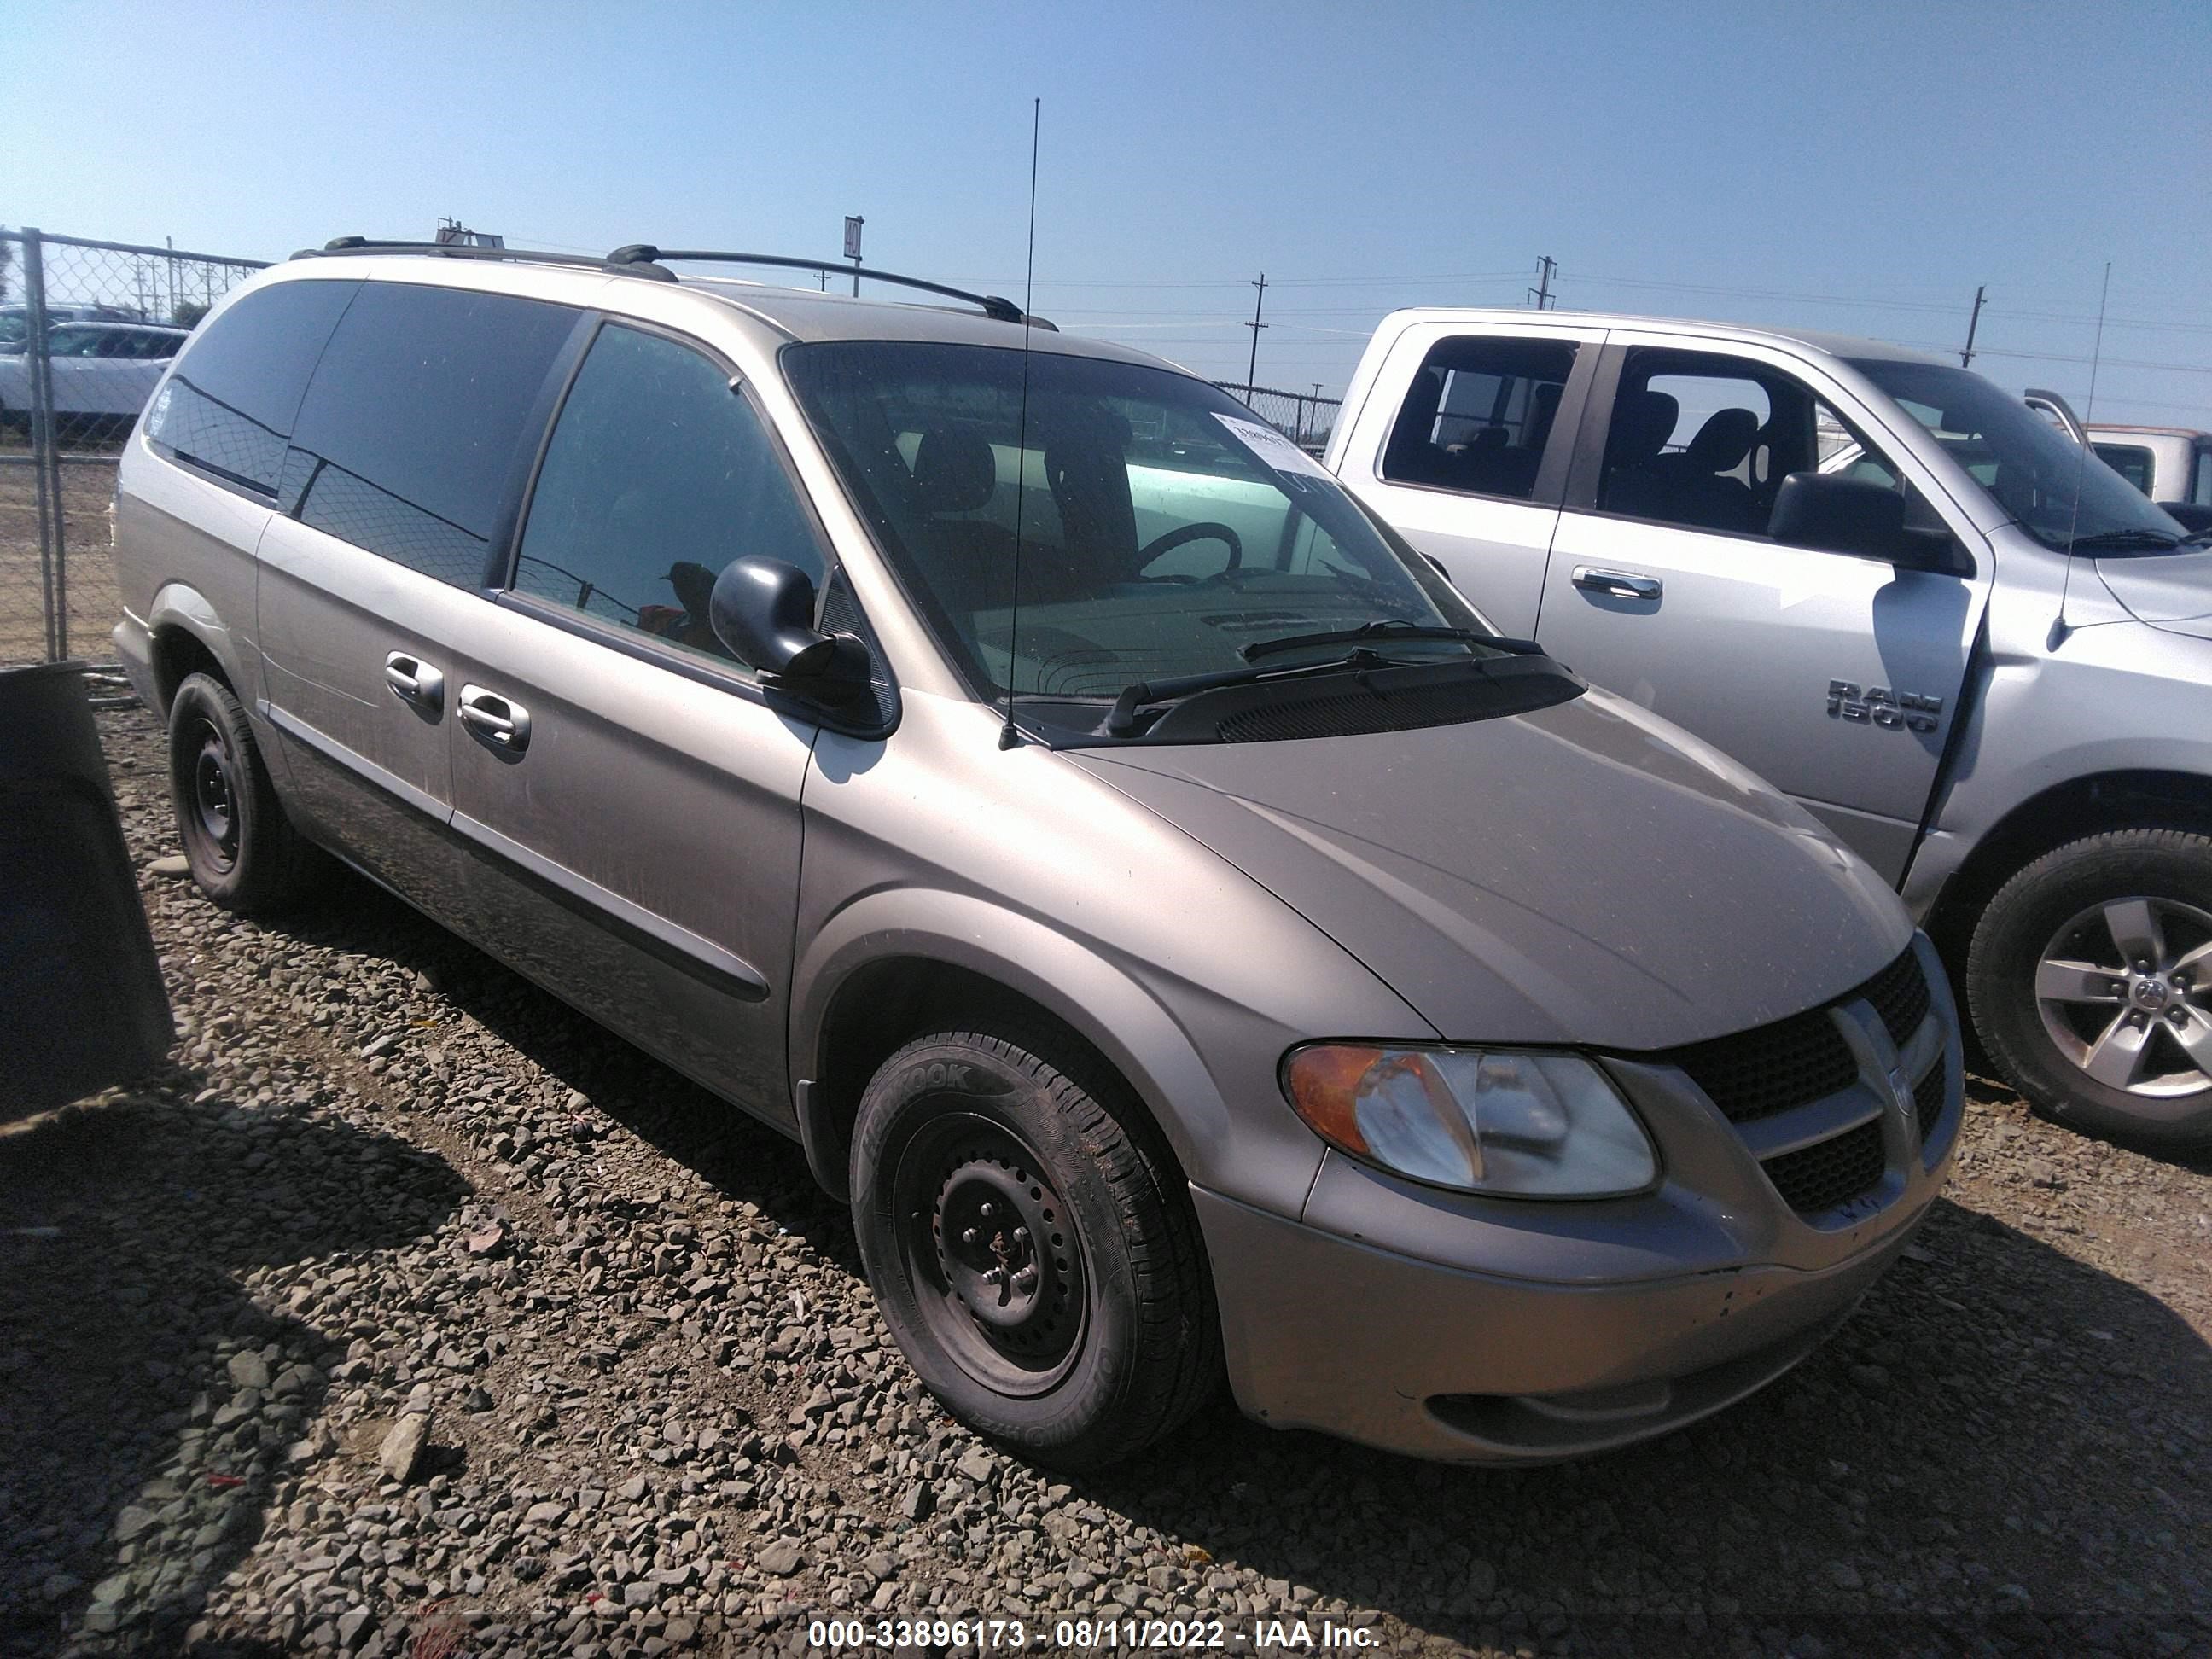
410	1314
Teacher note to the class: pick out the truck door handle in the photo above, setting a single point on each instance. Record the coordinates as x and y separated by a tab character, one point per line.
501	725
415	681
1617	584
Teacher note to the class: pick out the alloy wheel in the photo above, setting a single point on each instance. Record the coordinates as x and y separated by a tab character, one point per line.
2124	991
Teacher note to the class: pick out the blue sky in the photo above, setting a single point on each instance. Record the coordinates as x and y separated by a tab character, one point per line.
1858	166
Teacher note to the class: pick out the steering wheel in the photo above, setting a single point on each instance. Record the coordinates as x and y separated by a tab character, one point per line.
1205	531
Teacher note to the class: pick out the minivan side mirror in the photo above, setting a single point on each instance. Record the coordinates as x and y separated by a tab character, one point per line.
764	610
1844	515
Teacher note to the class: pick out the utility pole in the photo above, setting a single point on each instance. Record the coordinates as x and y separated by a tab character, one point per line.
1966	357
1252	367
1543	292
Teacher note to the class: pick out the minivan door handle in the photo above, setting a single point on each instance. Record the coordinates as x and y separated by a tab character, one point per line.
415	682
1617	584
500	724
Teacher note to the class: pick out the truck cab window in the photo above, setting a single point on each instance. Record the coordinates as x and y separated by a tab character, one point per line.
1704	442
1478	416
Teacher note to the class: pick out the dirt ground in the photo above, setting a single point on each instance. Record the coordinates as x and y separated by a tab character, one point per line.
87	487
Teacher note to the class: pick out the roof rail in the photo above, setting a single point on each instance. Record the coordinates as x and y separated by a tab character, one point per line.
636	253
344	245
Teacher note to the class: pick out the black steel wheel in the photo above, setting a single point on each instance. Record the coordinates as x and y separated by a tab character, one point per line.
244	853
1032	1245
989	1245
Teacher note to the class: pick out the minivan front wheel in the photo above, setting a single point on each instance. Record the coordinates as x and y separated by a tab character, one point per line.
244	853
1032	1247
2090	981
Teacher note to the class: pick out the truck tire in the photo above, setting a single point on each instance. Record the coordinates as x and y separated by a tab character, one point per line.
2089	979
1032	1246
244	853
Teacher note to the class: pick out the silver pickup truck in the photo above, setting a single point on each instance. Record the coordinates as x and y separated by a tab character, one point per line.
1952	634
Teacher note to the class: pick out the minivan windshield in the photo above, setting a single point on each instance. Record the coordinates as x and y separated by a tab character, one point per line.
2061	494
1163	527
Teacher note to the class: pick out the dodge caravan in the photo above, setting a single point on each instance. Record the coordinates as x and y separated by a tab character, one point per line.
1193	939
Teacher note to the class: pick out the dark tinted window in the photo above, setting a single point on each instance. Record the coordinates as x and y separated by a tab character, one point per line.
2131	461
658	475
231	403
418	425
1479	414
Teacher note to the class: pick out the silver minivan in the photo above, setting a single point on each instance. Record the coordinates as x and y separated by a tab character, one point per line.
1191	939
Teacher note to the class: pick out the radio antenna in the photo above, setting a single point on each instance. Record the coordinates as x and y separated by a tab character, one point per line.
1008	736
2059	629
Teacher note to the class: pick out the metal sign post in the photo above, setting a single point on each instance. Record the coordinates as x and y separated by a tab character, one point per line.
853	223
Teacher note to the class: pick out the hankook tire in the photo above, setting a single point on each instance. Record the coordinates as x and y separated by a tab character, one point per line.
1032	1245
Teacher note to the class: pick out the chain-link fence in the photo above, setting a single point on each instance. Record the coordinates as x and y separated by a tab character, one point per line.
1305	418
86	329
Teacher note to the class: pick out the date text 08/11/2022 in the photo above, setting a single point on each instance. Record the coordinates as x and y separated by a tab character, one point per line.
1094	1635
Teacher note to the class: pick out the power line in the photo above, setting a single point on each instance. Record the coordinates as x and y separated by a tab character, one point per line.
1252	368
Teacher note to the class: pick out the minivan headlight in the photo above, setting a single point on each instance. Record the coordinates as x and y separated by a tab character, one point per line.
1507	1121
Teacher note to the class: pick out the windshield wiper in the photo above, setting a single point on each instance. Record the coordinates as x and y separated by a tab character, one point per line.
1391	629
1146	692
2117	541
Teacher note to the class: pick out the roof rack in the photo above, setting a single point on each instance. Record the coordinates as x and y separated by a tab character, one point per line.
644	259
341	244
636	253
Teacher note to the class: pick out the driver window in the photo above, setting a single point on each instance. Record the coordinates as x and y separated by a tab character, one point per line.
1706	441
658	475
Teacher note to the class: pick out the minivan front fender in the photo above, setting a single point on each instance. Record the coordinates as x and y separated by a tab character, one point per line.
898	962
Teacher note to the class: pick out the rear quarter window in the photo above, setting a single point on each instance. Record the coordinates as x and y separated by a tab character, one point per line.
422	417
1478	415
232	401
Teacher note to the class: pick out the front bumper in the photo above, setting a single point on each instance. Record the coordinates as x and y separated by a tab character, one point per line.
1412	1356
1484	1330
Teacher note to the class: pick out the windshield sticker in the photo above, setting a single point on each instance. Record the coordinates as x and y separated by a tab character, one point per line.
1272	447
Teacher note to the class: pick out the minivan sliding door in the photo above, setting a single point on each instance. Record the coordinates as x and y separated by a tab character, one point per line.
405	469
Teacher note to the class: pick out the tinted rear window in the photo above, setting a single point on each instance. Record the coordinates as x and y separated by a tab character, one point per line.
419	423
232	401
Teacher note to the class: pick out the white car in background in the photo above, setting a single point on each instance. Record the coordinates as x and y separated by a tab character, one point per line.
16	319
2172	465
103	370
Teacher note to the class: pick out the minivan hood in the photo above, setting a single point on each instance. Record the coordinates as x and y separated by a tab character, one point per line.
2172	591
1585	874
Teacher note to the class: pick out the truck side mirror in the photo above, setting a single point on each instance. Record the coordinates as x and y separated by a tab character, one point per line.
764	610
1844	515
